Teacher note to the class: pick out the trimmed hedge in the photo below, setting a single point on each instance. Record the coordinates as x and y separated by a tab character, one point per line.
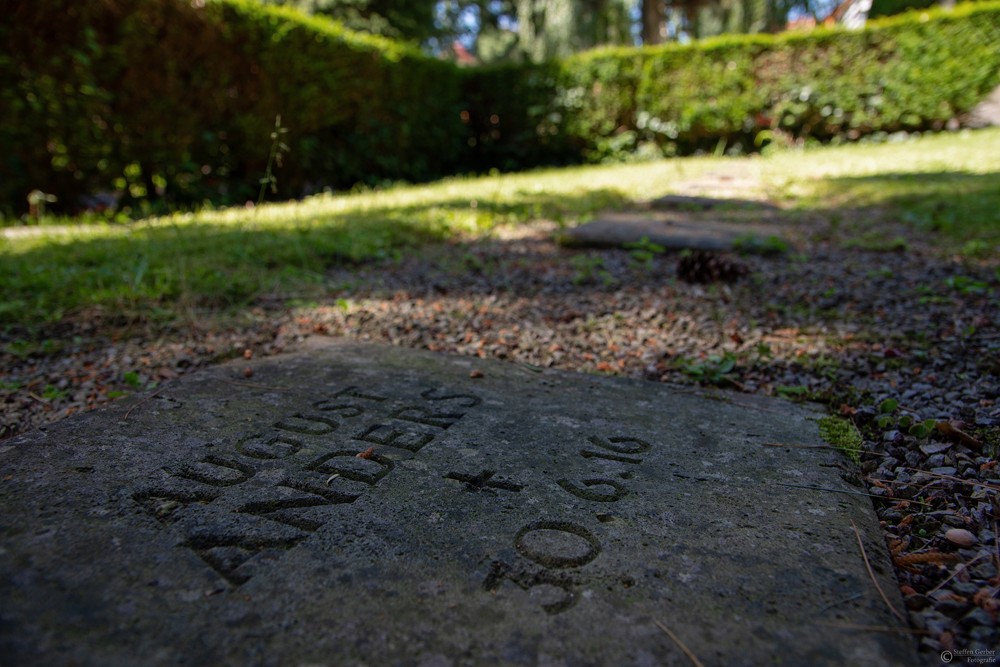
915	72
169	98
165	96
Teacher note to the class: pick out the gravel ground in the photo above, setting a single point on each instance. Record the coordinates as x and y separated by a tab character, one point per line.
888	339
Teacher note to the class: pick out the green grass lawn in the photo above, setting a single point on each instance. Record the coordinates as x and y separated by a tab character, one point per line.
162	269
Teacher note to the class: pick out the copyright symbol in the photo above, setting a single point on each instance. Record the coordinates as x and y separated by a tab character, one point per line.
946	656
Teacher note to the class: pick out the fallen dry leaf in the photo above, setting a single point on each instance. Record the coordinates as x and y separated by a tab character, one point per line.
367	454
950	430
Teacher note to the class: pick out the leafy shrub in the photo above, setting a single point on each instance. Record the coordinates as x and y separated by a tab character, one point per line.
910	73
163	97
914	72
513	119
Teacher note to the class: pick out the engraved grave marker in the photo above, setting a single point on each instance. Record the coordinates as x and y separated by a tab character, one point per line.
357	504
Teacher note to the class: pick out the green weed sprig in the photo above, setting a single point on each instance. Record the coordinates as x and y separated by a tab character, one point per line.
278	150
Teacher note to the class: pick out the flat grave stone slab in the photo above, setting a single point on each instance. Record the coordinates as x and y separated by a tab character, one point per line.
497	514
698	203
673	232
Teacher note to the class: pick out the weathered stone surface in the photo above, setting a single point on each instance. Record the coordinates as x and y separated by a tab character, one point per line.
521	517
673	233
695	203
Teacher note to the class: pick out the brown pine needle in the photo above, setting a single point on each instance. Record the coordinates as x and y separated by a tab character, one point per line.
844	491
970	482
962	567
895	612
691	656
255	385
873	628
140	402
797	446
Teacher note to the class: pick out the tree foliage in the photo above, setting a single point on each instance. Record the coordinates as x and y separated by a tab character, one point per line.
557	28
664	20
891	7
535	30
408	20
493	30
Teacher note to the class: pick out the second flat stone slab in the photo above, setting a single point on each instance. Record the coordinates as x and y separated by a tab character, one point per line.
673	232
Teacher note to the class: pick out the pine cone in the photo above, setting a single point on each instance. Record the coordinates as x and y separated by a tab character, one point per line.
707	267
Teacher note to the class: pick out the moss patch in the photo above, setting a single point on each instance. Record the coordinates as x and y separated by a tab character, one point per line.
842	434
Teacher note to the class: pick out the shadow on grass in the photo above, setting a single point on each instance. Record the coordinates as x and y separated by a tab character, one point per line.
223	261
961	206
144	271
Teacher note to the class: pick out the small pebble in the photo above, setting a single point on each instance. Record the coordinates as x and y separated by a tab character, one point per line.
960	536
976	617
935	447
917	602
965	588
985	634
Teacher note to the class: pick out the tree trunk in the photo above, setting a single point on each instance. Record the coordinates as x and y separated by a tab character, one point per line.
654	20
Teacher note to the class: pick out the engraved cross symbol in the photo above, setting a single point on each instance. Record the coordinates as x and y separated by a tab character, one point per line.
483	480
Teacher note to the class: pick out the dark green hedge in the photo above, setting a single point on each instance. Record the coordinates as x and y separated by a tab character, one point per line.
166	96
915	72
166	99
882	8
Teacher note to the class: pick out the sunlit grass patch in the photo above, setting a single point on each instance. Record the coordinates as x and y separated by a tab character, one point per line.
161	268
224	258
946	183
